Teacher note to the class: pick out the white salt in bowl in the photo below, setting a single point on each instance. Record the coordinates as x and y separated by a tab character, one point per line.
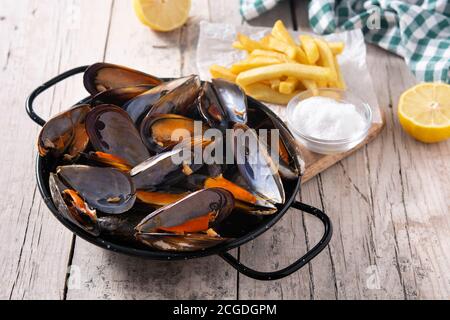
326	128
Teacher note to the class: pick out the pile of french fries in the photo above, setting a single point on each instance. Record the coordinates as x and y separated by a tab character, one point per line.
277	68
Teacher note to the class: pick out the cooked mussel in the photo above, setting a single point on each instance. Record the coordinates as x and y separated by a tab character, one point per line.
65	134
159	199
163	131
232	99
210	108
256	166
108	160
105	189
72	207
196	212
119	96
178	242
180	100
111	131
121	226
105	76
141	105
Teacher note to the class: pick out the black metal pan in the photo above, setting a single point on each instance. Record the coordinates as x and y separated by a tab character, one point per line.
45	165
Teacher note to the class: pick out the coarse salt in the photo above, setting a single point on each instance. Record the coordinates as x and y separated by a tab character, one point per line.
328	119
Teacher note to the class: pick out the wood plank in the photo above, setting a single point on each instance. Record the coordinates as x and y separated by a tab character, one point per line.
421	219
107	275
35	247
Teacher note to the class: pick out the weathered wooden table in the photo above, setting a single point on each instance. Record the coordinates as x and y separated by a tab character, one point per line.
389	202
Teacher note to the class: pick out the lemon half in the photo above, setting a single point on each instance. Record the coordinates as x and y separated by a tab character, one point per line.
162	15
424	112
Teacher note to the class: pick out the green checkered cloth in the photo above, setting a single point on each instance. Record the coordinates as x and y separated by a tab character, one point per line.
418	30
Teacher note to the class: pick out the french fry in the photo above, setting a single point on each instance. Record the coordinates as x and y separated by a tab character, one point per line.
222	72
280	32
267	53
327	58
272	43
310	85
296	70
310	48
288	86
336	47
247	43
251	63
264	93
238	45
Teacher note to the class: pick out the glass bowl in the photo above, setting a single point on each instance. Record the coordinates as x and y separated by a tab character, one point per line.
330	146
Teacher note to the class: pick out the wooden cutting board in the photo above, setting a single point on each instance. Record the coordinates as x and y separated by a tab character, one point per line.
316	163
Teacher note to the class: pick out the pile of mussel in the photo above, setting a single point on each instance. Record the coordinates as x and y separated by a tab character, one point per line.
115	175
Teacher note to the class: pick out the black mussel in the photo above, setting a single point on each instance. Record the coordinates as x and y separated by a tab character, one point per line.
141	105
108	160
159	199
120	96
65	134
163	131
105	189
197	212
261	119
111	131
256	166
72	207
178	242
169	167
210	108
232	99
180	100
105	76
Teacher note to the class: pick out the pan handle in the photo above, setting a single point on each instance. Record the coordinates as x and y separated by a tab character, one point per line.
30	100
275	275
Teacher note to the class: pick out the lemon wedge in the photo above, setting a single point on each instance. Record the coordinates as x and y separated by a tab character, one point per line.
162	15
424	111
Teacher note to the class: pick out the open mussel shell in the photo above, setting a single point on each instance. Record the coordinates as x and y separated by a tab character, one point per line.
83	217
163	131
232	99
65	133
181	99
111	131
120	96
256	166
105	189
179	243
169	167
105	76
216	201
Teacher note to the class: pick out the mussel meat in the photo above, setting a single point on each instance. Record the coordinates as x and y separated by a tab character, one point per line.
178	242
163	131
